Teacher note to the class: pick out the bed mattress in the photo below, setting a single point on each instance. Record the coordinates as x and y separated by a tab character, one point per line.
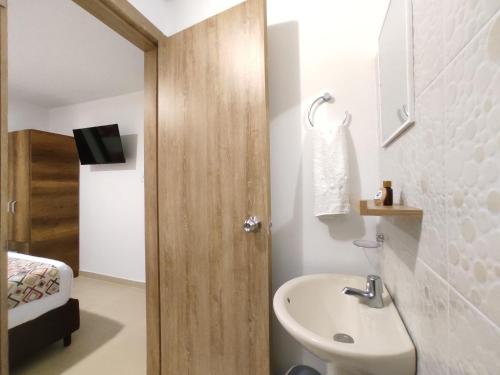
34	309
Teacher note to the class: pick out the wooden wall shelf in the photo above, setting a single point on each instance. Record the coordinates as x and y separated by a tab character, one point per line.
368	208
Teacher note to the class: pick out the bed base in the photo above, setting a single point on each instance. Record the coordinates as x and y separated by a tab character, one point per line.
30	337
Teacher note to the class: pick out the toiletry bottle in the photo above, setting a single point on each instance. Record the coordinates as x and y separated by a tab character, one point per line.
388	196
379	198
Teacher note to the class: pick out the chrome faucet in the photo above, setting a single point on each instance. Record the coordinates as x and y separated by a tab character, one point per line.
373	293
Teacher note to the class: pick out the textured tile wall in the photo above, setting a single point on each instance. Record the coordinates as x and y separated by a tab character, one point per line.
444	271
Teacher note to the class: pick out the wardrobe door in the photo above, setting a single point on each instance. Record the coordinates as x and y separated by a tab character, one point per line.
19	191
213	168
55	172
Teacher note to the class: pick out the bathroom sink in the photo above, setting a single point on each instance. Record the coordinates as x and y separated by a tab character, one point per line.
353	338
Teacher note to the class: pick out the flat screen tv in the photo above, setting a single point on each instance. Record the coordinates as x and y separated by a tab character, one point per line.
99	145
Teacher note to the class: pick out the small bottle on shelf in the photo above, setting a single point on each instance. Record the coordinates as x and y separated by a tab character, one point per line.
388	194
379	197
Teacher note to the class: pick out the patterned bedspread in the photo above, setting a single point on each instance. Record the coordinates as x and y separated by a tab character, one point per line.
30	281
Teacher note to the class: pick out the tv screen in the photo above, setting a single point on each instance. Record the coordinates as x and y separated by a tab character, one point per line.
99	145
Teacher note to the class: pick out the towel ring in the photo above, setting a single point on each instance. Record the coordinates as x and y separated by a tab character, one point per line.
326	98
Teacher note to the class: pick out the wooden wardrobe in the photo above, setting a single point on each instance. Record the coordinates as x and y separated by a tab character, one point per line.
43	202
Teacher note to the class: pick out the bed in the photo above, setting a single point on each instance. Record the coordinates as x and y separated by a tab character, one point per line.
41	310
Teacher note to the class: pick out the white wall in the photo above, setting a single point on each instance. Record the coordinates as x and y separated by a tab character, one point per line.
315	46
111	196
182	14
175	15
23	115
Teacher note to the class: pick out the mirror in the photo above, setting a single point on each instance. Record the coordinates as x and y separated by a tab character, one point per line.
395	68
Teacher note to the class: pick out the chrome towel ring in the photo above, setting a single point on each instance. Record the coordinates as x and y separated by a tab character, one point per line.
325	98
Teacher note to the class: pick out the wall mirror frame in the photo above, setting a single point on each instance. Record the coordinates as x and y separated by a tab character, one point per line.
395	79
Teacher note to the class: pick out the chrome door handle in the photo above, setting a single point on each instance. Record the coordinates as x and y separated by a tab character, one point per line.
11	207
252	224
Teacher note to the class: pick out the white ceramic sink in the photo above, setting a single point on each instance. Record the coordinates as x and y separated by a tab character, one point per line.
313	310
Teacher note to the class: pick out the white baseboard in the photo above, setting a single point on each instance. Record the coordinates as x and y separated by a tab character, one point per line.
112	279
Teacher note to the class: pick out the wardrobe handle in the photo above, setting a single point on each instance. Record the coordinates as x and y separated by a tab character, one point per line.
9	206
13	210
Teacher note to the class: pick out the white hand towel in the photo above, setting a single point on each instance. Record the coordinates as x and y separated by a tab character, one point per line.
331	170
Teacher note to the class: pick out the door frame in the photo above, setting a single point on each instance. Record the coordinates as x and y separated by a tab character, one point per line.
3	186
127	21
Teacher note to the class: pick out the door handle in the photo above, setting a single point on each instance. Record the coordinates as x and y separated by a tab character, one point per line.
252	225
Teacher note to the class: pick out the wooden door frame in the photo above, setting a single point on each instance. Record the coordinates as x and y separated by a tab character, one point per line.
3	187
127	21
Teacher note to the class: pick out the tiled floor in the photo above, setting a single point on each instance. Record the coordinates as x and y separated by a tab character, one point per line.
112	337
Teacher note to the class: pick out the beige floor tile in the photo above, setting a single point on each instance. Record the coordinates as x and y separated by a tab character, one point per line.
112	337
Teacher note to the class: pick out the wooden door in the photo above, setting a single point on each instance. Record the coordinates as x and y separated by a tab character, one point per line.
3	187
55	172
19	191
213	173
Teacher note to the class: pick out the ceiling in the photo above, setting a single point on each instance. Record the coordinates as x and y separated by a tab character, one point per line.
59	55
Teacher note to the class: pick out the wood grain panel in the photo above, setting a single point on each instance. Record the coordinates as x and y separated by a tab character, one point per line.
55	171
369	208
127	21
213	157
20	247
127	12
19	186
151	213
3	191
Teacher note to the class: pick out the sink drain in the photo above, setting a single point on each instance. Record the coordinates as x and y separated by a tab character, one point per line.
343	338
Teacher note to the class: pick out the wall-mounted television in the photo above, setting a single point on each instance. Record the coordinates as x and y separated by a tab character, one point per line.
99	145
